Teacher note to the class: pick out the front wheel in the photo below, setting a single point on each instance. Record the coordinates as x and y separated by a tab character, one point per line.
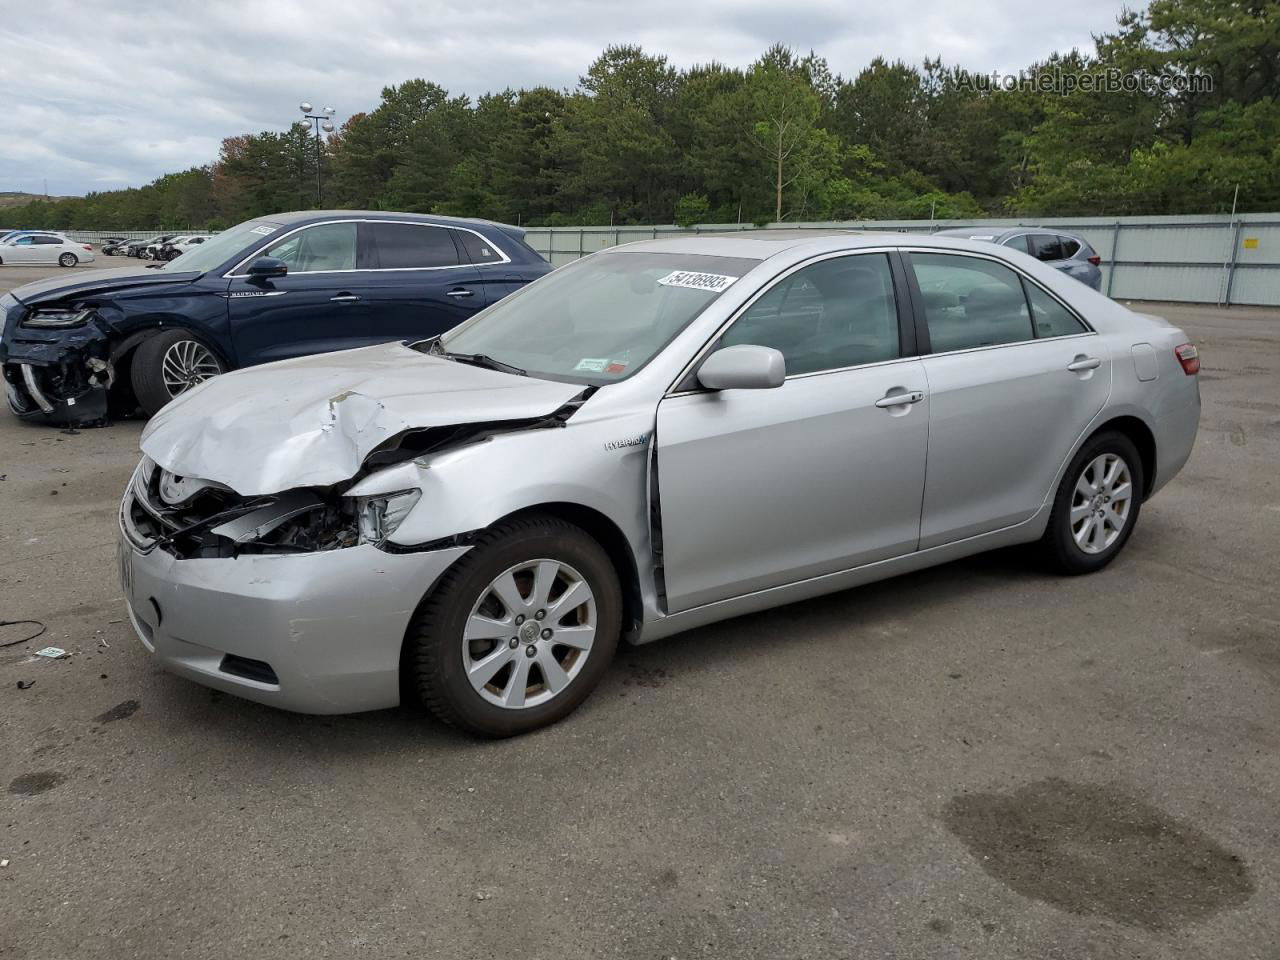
1096	507
519	631
68	260
168	364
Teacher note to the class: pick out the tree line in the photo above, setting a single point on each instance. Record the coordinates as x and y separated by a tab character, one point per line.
786	139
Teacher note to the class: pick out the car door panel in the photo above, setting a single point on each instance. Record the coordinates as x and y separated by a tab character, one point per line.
1004	408
1002	422
760	488
317	307
24	250
420	288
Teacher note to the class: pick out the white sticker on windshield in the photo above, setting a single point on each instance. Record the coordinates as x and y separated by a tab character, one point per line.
713	282
590	365
263	230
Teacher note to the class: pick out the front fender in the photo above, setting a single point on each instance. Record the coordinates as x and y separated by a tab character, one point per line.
473	486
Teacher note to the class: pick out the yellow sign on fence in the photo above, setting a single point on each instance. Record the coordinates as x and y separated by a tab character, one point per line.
1251	243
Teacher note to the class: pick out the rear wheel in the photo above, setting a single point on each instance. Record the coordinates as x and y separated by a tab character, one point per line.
169	364
68	260
519	631
1097	505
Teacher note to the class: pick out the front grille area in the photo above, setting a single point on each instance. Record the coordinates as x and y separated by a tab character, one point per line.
191	518
148	515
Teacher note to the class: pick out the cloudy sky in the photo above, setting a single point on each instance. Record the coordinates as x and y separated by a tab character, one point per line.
99	96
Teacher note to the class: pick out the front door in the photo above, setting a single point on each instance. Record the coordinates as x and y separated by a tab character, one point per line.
1014	379
320	305
760	488
22	250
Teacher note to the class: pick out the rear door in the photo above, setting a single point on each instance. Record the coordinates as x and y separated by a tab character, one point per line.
421	284
498	276
1014	379
48	248
319	306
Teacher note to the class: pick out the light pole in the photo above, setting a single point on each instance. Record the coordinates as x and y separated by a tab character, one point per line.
321	121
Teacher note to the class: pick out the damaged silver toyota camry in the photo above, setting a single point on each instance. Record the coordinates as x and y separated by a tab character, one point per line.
656	437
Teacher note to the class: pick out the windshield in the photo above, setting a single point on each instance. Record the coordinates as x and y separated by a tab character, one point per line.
600	319
218	249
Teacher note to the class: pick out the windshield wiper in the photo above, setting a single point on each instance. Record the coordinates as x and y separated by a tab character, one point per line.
482	360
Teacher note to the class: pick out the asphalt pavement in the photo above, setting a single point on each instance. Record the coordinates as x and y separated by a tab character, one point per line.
979	760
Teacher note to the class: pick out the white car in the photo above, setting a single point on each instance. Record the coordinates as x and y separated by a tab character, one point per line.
180	245
45	248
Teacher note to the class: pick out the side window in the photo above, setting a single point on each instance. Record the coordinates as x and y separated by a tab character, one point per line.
970	302
1044	246
329	246
1020	243
24	241
406	246
1070	247
833	314
1050	318
49	241
478	249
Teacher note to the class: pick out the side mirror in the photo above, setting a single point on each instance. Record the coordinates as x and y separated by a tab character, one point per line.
266	267
744	367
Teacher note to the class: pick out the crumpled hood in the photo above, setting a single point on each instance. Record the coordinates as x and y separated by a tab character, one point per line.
313	421
92	282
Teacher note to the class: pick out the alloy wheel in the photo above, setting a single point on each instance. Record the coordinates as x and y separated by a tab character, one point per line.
1101	503
187	363
529	634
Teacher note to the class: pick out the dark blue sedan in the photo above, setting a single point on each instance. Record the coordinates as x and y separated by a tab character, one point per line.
279	286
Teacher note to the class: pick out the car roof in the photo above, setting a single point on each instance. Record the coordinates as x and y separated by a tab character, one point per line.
296	217
763	244
1002	233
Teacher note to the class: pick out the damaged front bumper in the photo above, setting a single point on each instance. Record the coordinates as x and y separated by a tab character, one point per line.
58	376
314	632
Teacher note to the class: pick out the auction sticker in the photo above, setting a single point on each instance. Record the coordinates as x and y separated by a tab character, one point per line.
264	231
591	365
712	282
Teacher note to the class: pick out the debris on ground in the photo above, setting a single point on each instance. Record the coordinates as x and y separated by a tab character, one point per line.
53	653
26	684
19	623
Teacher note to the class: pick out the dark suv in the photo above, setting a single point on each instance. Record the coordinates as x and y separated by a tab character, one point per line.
268	289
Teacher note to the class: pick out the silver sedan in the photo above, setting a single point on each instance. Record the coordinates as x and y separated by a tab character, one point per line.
653	438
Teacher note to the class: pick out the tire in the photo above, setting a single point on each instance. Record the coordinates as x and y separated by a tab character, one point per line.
68	260
190	361
1089	524
522	552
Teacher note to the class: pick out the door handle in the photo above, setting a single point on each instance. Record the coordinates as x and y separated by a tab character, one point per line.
460	293
900	399
1084	363
345	298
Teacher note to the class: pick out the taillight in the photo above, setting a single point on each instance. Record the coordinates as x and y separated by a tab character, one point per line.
1095	260
1189	357
87	247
